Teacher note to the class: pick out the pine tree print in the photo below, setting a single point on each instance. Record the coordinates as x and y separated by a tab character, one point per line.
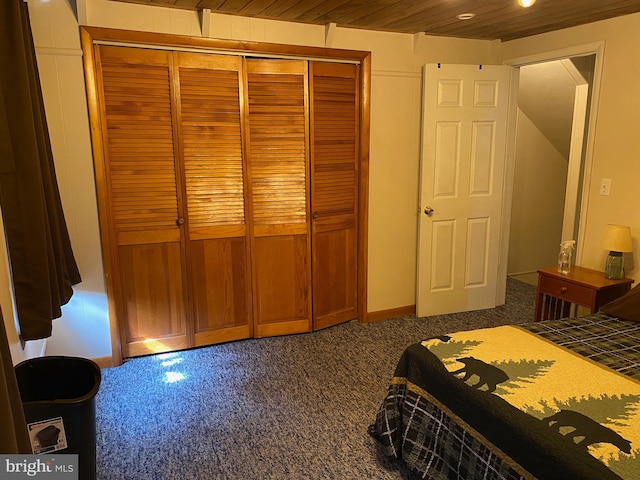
521	372
614	409
606	410
617	408
448	351
626	466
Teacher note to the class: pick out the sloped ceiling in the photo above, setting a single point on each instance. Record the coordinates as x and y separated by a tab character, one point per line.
546	95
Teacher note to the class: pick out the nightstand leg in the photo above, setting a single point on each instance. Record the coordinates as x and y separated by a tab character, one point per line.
538	313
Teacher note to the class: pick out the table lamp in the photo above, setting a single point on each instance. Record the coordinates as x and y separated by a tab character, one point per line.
616	239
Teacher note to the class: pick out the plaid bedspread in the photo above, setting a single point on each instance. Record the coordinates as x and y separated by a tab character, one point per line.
609	341
436	440
435	445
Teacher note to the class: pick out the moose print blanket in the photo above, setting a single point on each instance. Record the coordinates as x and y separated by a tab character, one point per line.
548	411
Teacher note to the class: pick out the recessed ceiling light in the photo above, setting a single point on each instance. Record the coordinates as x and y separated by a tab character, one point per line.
465	16
526	3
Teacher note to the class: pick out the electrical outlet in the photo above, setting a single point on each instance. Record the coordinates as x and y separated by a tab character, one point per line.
605	186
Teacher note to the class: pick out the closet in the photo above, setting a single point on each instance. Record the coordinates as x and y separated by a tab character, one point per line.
229	192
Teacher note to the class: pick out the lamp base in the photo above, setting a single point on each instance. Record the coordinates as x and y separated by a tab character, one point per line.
614	266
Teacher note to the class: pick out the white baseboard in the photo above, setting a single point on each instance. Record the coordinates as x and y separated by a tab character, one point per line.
35	348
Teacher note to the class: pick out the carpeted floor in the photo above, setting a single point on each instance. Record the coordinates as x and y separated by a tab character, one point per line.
293	407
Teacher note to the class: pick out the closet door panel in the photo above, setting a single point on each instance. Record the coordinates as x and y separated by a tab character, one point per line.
282	305
143	198
334	158
220	290
154	308
277	93
210	125
334	274
139	136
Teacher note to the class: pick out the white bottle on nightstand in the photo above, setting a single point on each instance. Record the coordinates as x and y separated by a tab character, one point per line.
564	257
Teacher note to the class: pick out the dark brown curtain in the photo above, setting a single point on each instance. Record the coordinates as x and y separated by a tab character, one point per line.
14	437
42	263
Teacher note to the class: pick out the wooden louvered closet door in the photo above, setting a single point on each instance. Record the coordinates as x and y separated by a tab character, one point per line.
210	170
279	171
210	126
143	200
334	189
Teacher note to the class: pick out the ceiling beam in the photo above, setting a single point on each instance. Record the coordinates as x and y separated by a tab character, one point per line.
329	33
205	22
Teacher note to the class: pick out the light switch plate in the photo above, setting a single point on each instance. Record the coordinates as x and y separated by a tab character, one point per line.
605	187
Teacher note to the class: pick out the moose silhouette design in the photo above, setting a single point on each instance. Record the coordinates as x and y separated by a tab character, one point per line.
489	375
584	426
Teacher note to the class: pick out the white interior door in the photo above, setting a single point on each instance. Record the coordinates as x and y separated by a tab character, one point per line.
463	156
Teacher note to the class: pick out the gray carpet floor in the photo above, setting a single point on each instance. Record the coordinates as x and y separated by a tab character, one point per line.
292	407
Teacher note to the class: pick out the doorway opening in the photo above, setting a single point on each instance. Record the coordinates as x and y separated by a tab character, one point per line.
554	99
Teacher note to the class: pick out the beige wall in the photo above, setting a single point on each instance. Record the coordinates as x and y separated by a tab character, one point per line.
395	138
538	202
616	147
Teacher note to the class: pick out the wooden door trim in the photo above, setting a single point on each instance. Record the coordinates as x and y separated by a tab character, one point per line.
363	187
236	47
95	108
93	35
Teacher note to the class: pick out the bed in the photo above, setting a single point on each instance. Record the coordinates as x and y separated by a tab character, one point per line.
548	400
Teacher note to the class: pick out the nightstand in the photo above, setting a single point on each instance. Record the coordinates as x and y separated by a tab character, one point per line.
559	295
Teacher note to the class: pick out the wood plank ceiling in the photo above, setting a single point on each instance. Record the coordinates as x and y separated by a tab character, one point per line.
494	19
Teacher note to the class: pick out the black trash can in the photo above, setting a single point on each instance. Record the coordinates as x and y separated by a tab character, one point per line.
58	398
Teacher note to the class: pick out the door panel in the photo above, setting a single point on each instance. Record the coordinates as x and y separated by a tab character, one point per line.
154	308
277	93
335	299
220	290
139	152
210	131
282	305
482	158
443	248
478	235
143	198
334	191
464	139
446	159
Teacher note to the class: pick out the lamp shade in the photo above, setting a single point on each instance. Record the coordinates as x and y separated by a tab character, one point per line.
617	238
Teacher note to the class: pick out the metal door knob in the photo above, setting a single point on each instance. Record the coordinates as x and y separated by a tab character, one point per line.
428	210
180	221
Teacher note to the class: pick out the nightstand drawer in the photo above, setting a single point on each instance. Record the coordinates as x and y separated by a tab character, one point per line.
566	290
558	294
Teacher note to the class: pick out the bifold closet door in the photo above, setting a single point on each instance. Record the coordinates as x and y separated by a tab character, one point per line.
210	90
278	167
334	191
142	199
